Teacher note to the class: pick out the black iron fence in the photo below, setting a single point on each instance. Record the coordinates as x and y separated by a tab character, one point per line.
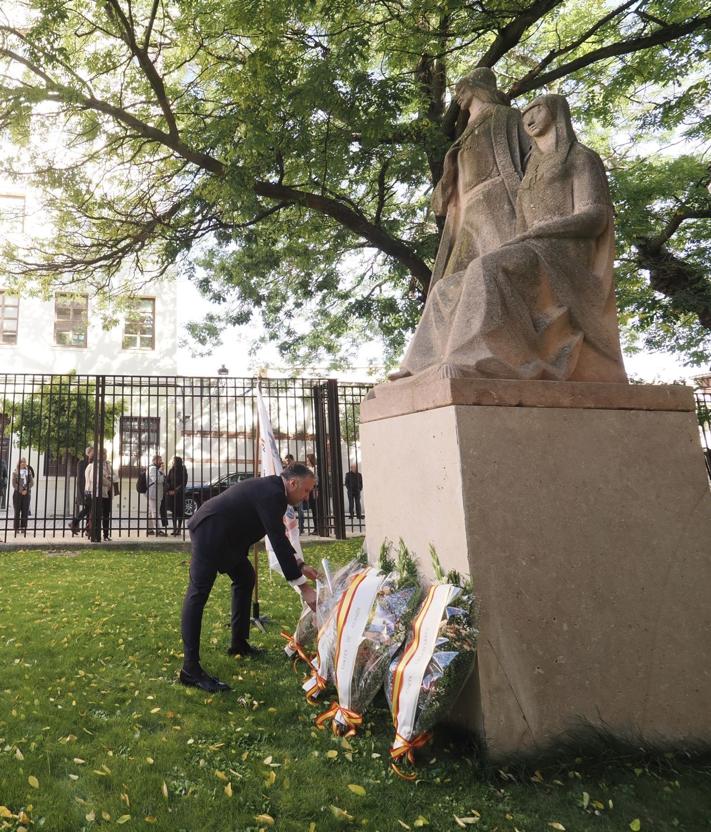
49	422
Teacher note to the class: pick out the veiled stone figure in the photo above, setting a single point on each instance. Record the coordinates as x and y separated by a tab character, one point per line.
542	305
482	173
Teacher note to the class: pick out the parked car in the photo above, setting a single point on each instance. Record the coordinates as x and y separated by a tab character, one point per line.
196	494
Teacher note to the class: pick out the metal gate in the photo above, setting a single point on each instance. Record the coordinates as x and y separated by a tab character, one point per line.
210	423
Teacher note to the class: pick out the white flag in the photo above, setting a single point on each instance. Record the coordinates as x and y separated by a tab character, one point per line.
271	465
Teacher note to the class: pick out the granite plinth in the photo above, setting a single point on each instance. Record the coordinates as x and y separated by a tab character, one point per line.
587	532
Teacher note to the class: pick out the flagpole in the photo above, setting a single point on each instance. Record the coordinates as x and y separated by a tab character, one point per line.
257	620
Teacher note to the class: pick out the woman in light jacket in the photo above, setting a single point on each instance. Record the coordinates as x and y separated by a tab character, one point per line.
102	494
22	482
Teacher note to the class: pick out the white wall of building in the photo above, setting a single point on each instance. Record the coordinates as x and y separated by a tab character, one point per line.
37	352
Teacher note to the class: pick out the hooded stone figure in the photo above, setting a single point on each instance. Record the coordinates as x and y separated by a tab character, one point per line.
542	305
479	185
482	173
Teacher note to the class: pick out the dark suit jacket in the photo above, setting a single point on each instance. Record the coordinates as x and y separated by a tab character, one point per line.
228	524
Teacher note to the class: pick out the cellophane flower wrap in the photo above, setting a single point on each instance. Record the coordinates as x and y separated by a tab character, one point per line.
321	624
428	673
302	642
371	620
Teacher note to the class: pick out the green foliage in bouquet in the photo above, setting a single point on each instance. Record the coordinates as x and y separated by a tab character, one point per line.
447	669
451	663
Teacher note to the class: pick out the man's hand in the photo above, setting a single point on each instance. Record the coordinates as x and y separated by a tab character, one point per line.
310	572
308	595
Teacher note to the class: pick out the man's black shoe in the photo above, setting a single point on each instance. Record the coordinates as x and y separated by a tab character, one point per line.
207	683
244	648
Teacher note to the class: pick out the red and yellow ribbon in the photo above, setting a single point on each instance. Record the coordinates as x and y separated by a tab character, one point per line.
344	608
409	653
351	719
317	689
407	750
294	645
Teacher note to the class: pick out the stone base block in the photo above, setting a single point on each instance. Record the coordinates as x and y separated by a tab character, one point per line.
587	533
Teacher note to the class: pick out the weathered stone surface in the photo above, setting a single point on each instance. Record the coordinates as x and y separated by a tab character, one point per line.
587	533
540	304
412	395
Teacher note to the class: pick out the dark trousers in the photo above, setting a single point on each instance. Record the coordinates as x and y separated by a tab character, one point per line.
21	504
163	513
354	497
203	571
313	506
103	515
83	507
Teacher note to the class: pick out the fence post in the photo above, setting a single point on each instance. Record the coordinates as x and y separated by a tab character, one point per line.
96	486
334	433
322	525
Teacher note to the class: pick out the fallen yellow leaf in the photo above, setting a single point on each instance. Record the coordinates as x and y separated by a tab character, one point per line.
340	814
228	790
356	789
19	755
268	819
105	815
33	781
312	827
90	816
403	824
150	819
636	825
5	812
555	825
79	761
123	819
221	775
421	821
270	778
332	754
164	790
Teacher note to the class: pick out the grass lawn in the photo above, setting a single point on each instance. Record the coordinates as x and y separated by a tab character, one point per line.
95	732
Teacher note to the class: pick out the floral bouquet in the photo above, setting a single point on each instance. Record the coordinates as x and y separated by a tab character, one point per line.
428	674
316	629
368	625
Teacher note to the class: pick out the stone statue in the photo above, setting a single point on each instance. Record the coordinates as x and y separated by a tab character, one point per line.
540	305
482	174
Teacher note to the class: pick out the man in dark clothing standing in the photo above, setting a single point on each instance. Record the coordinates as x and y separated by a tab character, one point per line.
354	485
222	531
83	495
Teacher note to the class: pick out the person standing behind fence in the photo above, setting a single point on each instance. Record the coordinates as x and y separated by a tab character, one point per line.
82	504
22	482
156	488
175	481
313	496
354	485
3	482
102	491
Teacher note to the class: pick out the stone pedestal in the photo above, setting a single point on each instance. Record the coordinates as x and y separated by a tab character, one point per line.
582	513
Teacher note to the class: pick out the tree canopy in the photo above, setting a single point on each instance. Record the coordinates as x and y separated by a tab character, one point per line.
283	153
59	418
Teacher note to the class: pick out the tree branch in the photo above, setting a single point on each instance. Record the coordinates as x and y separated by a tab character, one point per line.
556	53
355	222
625	47
146	64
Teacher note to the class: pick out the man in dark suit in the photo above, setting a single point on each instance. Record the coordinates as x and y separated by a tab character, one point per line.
354	485
222	531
